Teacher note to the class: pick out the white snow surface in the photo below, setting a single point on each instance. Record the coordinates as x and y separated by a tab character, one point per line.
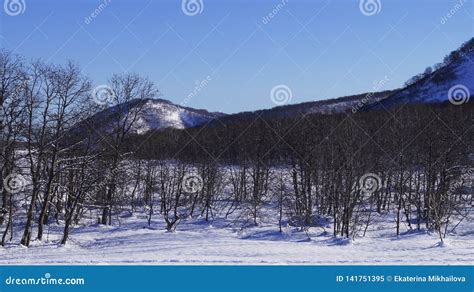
435	88
157	114
154	114
221	242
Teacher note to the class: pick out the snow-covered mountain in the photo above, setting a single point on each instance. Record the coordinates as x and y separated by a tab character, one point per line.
160	114
151	114
328	106
452	81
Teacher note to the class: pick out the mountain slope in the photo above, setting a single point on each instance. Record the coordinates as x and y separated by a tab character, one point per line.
161	114
158	114
454	81
329	106
150	114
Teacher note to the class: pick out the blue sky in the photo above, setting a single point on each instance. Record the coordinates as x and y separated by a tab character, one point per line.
320	49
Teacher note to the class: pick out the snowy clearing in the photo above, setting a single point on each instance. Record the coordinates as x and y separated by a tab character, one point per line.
200	242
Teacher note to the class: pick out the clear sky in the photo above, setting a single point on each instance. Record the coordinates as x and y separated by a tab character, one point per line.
318	48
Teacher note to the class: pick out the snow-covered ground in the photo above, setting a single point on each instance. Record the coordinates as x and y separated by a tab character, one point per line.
131	241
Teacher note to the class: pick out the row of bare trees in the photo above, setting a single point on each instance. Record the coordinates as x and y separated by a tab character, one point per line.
412	163
46	172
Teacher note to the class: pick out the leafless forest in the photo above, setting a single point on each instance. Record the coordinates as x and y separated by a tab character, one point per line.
412	162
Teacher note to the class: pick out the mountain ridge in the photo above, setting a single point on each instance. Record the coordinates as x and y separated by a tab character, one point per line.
433	86
452	81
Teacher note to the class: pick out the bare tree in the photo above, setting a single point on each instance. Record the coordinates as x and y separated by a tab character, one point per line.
125	89
71	90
